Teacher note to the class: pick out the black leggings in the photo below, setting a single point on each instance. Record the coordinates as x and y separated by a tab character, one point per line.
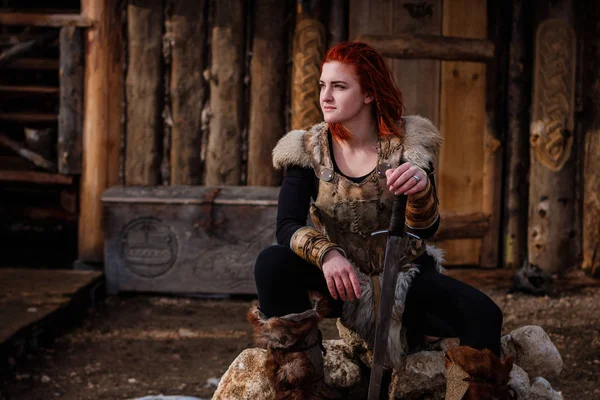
436	305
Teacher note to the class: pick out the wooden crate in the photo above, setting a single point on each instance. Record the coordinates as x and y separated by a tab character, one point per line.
186	239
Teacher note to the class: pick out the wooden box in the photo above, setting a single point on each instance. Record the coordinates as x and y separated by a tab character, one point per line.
186	239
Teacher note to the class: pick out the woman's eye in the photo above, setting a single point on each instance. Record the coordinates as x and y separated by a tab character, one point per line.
339	87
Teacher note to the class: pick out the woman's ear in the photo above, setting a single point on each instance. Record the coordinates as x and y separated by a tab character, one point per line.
369	98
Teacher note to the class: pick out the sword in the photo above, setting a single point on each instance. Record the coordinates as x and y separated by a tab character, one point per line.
395	251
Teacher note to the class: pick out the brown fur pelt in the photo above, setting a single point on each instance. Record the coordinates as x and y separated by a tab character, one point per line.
488	374
294	361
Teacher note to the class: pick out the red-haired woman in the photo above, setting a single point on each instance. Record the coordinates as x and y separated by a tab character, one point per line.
351	166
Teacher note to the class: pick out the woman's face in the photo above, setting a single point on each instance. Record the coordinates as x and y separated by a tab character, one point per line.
341	96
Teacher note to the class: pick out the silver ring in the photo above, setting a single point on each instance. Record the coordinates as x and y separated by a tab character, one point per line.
416	178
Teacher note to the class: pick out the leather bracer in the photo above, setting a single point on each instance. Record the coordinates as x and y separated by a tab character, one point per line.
311	245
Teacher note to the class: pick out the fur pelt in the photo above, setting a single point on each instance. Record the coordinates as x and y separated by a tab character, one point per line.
488	375
294	363
421	143
359	316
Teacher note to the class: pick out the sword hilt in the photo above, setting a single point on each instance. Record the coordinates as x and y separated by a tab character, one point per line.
398	218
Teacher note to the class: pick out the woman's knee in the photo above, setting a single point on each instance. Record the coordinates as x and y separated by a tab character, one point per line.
488	312
271	262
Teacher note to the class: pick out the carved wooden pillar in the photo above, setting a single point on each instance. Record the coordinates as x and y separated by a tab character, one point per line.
552	189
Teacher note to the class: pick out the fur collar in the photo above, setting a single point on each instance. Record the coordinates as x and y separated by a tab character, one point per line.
421	144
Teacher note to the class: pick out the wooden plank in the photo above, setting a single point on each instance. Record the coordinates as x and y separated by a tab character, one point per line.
460	172
32	63
187	246
462	226
517	141
32	156
28	117
431	47
267	105
500	18
418	80
102	125
35	177
20	49
29	89
189	90
223	158
36	302
144	88
47	20
552	188
70	116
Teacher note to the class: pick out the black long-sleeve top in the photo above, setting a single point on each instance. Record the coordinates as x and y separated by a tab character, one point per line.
299	186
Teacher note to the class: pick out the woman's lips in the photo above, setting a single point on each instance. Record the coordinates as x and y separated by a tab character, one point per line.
328	108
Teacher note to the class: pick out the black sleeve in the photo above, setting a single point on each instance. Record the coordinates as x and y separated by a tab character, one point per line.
427	233
294	201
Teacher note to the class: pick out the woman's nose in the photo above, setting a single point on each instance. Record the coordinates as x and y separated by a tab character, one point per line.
326	94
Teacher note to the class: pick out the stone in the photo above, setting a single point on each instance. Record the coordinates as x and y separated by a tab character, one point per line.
541	390
519	382
340	370
423	373
245	378
533	351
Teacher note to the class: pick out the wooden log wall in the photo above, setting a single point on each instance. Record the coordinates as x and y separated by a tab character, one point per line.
552	182
517	144
590	32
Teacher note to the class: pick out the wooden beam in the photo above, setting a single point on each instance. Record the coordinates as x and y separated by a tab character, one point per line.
32	156
70	119
28	117
102	125
188	89
20	49
445	48
223	158
144	90
32	63
517	139
462	226
29	89
35	177
552	176
46	20
591	148
267	104
338	22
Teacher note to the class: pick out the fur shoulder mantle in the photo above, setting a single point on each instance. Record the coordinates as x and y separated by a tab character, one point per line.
421	142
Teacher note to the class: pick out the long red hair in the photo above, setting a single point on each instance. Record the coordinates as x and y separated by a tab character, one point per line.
376	79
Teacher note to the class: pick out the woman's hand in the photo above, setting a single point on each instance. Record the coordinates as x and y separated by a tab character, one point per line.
340	276
406	179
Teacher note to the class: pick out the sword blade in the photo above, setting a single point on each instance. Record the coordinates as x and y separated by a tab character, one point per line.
395	253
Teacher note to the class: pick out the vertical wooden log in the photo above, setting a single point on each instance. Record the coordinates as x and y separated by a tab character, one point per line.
338	22
463	125
267	80
223	159
591	156
308	51
188	91
499	17
103	95
70	115
144	92
552	175
517	147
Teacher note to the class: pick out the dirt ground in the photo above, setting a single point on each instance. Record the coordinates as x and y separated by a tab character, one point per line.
136	345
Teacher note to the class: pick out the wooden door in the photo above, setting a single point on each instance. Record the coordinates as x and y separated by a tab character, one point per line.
452	94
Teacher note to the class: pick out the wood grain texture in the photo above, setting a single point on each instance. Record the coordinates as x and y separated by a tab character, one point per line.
144	92
267	101
102	127
188	89
223	158
463	125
